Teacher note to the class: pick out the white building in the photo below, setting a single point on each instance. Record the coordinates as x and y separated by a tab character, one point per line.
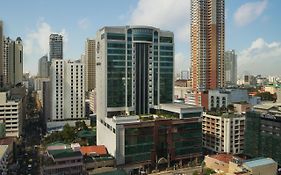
223	134
4	159
223	97
67	90
11	113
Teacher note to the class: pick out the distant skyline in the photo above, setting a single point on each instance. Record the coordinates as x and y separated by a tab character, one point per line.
253	27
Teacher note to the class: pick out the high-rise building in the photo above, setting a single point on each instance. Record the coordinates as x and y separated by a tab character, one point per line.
207	44
230	63
13	61
43	67
90	64
56	46
135	70
67	90
223	133
1	55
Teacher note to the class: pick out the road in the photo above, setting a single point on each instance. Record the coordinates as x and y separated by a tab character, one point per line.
182	171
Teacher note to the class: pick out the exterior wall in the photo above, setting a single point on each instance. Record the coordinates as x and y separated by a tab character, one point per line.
241	108
11	113
207	44
1	56
223	133
43	67
90	64
270	169
56	46
216	164
67	90
4	154
230	59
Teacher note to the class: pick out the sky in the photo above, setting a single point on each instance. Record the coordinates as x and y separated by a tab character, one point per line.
253	27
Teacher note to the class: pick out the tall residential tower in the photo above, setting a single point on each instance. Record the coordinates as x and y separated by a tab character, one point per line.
56	46
207	44
230	62
1	55
90	64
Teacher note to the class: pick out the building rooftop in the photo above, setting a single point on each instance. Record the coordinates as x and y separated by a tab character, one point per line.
64	153
226	158
86	134
179	105
258	162
99	149
7	140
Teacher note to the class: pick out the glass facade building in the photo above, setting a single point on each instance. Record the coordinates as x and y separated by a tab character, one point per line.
139	67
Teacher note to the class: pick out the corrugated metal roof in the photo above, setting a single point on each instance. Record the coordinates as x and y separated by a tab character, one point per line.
259	162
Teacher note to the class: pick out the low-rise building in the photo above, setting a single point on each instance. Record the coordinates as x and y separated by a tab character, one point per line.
223	97
223	133
231	165
96	158
173	135
263	131
63	160
11	114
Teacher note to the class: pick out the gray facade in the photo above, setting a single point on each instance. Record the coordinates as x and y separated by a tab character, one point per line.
230	63
56	46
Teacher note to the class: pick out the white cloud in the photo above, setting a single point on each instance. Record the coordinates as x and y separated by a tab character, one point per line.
166	14
84	23
36	44
249	12
261	58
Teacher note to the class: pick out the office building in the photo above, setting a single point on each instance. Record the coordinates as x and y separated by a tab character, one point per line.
56	46
13	61
230	63
43	67
223	133
134	65
263	131
90	64
67	90
1	55
12	113
207	47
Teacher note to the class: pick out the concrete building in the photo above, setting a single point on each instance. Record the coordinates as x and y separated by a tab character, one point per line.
11	113
230	63
90	64
3	159
231	165
135	80
93	101
56	46
1	55
223	133
207	44
13	61
67	91
62	160
43	67
223	97
263	131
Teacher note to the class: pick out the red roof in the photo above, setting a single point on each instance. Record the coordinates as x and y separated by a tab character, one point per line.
7	140
99	149
223	157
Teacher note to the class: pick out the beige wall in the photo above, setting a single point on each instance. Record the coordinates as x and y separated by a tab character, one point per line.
216	164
